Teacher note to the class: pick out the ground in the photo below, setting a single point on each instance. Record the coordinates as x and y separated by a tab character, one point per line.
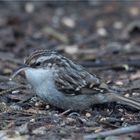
103	36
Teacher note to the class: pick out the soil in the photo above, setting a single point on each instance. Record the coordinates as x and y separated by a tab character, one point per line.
103	36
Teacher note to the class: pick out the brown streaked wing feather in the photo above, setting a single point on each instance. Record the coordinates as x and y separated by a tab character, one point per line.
74	82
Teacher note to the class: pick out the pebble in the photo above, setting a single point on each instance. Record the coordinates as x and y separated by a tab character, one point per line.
32	120
136	94
69	22
47	107
29	7
119	83
127	95
102	32
118	25
88	115
134	11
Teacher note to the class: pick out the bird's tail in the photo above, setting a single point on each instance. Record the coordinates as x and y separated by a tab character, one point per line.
125	100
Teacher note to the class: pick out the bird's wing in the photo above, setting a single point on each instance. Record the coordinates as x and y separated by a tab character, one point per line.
75	81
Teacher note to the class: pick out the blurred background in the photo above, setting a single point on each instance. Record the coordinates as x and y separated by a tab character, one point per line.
101	35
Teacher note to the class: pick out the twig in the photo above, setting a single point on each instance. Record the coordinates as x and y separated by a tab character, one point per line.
89	39
133	63
3	78
12	89
119	131
65	112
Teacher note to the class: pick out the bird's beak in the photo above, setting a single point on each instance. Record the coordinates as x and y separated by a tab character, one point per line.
22	68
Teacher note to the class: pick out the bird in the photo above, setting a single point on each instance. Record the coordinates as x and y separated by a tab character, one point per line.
65	84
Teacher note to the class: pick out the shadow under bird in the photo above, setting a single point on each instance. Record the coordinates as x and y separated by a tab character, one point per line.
64	84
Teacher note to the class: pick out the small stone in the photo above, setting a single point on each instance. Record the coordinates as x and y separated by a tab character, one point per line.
102	32
127	95
29	7
122	119
47	107
69	22
32	120
39	104
108	110
134	11
103	119
118	25
119	83
121	110
88	115
136	94
73	49
49	64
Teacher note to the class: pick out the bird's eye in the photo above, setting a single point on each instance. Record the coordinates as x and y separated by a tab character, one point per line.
38	64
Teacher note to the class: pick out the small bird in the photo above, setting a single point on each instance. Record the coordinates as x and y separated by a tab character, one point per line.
66	85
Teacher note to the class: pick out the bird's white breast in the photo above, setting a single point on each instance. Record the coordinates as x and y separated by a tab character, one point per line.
37	77
43	83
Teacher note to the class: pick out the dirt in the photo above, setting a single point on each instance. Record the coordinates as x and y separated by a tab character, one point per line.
103	36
